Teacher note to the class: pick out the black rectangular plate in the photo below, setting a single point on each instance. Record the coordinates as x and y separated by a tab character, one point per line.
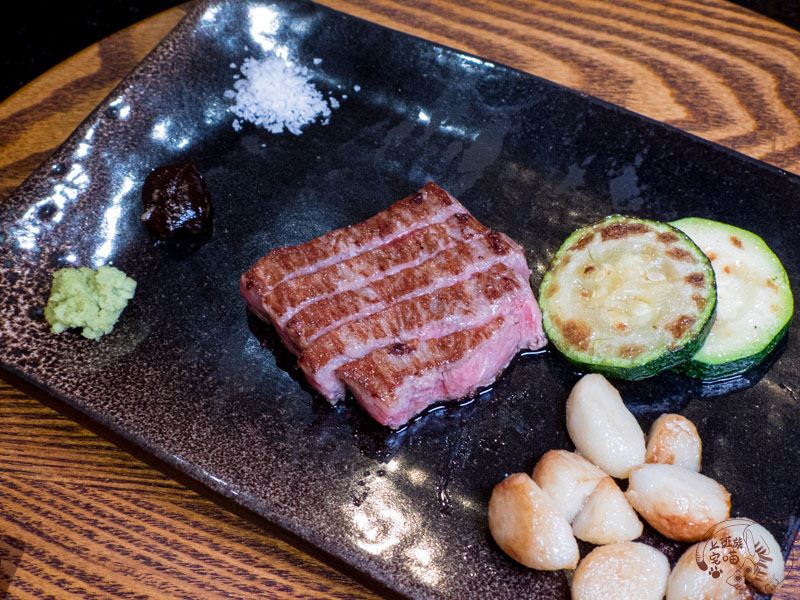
192	380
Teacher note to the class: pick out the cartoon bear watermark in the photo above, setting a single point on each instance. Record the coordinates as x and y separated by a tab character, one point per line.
740	551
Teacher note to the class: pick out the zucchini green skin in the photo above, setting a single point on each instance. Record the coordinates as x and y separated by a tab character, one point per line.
743	355
710	372
669	360
653	361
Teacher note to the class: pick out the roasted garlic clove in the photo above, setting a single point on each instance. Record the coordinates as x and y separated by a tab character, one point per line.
568	479
695	578
607	517
527	526
759	554
679	503
602	428
624	570
674	440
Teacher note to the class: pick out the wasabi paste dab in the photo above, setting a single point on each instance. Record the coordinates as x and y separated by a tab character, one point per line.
89	299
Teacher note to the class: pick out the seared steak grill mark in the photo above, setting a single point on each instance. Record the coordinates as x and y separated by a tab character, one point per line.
448	266
439	313
404	252
394	386
419	303
430	205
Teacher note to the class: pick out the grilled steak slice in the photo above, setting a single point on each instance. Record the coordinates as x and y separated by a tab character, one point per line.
498	290
396	382
447	267
419	303
283	301
428	206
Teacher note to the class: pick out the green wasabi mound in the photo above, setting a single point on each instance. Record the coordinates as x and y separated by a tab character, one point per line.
89	299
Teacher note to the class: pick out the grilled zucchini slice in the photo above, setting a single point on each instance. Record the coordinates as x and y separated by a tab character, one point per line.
755	303
628	297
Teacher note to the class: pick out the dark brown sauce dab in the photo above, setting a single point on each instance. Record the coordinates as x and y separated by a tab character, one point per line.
176	202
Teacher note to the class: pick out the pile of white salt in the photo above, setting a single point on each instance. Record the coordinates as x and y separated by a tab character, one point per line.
277	96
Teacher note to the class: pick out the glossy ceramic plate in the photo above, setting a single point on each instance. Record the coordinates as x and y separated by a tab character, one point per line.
189	378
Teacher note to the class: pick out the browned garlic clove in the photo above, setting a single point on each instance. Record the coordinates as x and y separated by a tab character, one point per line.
694	578
679	503
623	570
527	526
674	440
760	556
568	479
602	428
607	517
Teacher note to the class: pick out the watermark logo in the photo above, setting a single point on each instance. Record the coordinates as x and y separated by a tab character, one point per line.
740	550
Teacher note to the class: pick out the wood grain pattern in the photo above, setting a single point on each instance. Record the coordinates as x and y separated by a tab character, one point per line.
37	118
711	68
84	519
80	518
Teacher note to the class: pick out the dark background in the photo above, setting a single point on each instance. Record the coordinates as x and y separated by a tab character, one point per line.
37	34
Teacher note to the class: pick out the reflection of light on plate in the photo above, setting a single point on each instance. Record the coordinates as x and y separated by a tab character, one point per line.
475	61
77	176
417	476
30	225
122	112
421	563
211	14
282	52
214	113
459	131
466	503
380	525
215	479
421	555
362	522
26	238
83	149
109	227
263	25
161	132
160	129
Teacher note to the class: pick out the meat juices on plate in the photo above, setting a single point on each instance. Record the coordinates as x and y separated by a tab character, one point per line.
419	304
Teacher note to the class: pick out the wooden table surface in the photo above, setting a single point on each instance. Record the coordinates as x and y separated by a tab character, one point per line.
80	518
